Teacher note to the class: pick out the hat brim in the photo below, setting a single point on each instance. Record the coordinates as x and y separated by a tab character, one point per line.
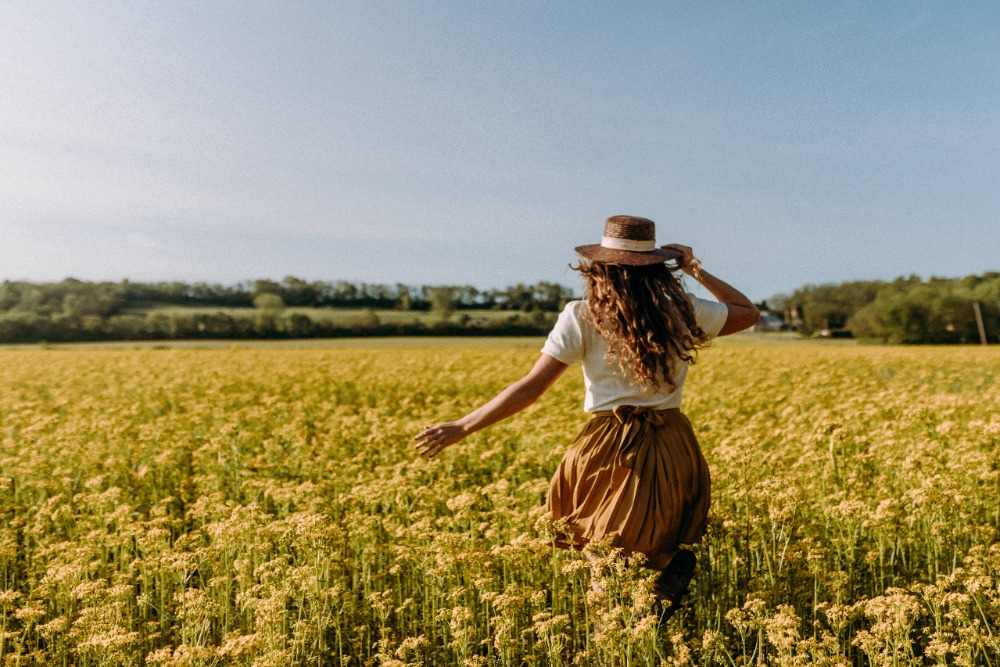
599	253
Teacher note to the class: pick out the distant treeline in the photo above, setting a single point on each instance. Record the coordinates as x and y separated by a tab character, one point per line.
78	297
74	310
905	310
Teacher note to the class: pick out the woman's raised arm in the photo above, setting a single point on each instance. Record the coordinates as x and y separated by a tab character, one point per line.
742	313
516	397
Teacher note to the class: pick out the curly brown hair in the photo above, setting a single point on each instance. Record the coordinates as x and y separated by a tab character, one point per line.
646	318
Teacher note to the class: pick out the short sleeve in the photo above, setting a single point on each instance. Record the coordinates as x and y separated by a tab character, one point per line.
710	315
565	341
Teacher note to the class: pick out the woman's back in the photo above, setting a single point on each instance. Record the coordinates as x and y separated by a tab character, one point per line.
575	339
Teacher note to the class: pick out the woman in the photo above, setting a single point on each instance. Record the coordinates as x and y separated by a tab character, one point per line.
635	475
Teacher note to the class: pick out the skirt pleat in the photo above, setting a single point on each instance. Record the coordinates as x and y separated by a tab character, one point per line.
635	477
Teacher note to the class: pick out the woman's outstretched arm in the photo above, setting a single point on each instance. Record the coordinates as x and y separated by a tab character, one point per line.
511	400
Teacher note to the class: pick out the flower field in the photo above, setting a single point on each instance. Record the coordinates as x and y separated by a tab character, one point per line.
266	507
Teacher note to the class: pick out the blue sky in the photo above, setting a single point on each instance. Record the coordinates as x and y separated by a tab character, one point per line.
478	142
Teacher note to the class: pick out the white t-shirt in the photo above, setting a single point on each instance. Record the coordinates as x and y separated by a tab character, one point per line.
575	339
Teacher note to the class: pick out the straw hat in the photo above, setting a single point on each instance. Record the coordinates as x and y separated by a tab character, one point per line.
628	240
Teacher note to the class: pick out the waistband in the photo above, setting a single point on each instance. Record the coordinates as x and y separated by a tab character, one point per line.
625	413
635	421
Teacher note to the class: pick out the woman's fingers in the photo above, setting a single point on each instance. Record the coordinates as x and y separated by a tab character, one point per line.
433	439
428	446
430	433
687	258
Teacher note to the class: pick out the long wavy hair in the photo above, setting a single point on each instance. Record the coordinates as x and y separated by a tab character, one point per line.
646	318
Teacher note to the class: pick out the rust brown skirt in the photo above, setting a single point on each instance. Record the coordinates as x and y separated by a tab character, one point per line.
636	477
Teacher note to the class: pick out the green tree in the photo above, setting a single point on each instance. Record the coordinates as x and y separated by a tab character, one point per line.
366	319
442	300
269	303
299	325
298	292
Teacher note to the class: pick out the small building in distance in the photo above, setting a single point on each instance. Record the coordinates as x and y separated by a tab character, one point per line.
769	322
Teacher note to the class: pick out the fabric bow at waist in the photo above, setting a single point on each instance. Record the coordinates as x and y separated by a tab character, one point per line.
635	421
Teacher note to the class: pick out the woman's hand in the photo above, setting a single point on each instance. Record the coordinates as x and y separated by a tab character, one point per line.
688	263
433	439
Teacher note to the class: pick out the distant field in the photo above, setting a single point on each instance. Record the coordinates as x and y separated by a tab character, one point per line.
376	343
342	316
742	340
259	505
